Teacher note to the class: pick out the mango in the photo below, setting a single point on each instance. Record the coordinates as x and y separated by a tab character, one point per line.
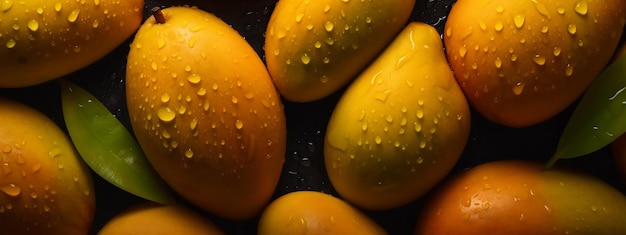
522	62
312	212
313	48
41	40
400	126
519	197
205	112
169	219
45	187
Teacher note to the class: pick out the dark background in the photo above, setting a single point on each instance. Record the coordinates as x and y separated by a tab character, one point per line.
306	122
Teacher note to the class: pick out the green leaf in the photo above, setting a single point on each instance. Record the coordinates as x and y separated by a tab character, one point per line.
599	118
108	148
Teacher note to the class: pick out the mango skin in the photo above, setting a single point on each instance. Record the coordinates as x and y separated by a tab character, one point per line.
313	48
205	112
42	40
312	212
518	197
522	62
401	125
45	187
157	219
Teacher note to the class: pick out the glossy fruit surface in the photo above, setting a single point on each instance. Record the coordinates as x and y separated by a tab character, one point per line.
518	197
313	48
157	219
401	125
522	62
205	112
45	188
311	212
41	40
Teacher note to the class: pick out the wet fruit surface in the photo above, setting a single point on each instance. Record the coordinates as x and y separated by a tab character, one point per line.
313	48
519	197
512	56
45	188
60	37
306	122
308	212
400	127
206	113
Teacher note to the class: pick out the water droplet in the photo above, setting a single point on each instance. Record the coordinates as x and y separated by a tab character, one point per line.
571	28
556	51
539	60
58	6
166	114
299	17
6	5
382	97
417	127
330	41
154	66
326	8
518	20
498	63
518	88
378	139
329	26
364	126
238	124
306	59
10	43
33	25
281	34
560	10
160	43
500	8
234	99
541	9
482	25
165	98
95	23
581	7
73	16
569	70
194	78
498	26
463	51
544	29
192	42
189	153
11	190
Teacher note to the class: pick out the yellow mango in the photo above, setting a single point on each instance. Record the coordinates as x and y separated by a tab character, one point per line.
45	187
205	112
41	40
313	48
401	125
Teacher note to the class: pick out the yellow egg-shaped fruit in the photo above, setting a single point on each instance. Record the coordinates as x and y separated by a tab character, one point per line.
401	125
521	62
157	219
45	187
313	48
520	197
205	112
311	212
41	40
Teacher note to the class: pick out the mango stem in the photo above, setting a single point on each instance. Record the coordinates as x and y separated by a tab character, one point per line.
158	15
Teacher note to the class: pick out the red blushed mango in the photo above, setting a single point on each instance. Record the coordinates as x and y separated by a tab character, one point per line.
522	62
518	197
45	187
